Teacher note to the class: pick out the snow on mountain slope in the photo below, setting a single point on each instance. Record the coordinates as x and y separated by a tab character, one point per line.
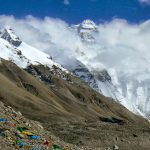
22	54
133	91
128	83
10	53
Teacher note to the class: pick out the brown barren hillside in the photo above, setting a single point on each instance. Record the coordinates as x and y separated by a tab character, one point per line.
70	109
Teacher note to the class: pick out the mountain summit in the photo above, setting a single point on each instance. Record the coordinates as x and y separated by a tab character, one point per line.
86	30
89	25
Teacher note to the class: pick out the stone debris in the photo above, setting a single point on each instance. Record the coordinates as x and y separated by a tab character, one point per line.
116	147
19	133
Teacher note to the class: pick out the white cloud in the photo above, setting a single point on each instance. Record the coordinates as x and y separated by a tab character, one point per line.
145	1
125	45
121	46
66	2
46	34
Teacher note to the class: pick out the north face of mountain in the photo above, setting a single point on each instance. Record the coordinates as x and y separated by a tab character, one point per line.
130	86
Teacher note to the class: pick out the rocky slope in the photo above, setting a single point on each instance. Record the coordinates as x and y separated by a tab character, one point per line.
18	132
70	109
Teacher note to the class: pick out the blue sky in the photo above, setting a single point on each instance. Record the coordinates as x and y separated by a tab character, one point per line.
74	11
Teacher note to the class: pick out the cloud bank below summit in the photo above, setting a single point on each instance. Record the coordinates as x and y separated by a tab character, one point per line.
122	46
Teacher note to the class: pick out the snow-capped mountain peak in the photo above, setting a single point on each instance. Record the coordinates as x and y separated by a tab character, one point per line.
88	24
8	34
86	29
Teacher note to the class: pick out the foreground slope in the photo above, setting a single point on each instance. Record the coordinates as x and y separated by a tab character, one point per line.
71	109
18	132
